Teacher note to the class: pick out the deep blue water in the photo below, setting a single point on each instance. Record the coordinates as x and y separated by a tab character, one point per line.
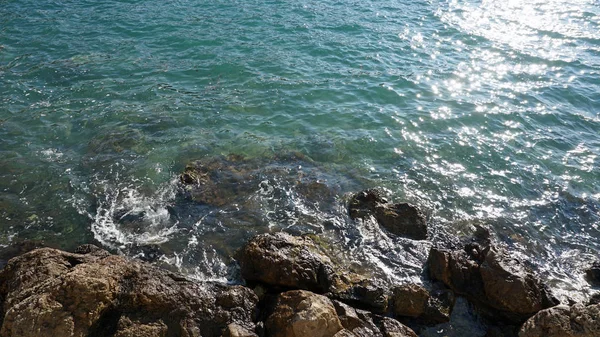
477	111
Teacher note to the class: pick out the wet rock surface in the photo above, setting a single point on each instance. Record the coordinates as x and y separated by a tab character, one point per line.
592	274
401	219
563	321
485	274
48	292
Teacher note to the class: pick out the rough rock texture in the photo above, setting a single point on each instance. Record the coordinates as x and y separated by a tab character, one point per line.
296	262
564	321
412	300
490	278
401	219
302	313
284	260
48	292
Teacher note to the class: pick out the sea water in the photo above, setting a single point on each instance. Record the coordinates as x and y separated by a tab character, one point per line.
479	112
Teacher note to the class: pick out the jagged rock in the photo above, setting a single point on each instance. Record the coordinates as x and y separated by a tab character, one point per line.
564	321
356	322
300	313
361	292
486	275
294	262
401	219
412	300
48	292
392	328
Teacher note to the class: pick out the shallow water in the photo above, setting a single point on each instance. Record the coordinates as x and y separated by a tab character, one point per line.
478	111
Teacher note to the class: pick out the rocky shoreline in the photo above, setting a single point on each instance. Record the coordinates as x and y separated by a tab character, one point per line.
291	285
293	288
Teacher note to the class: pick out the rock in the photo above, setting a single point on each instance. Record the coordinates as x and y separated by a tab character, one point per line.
293	262
392	328
356	322
592	274
401	219
128	328
409	300
288	261
563	321
364	203
300	313
412	300
48	292
486	275
235	330
365	293
217	181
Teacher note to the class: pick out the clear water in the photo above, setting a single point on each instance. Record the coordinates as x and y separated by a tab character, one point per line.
478	111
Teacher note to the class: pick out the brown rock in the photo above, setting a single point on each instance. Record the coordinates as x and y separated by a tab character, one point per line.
563	321
358	323
392	328
288	261
412	300
235	330
48	292
300	313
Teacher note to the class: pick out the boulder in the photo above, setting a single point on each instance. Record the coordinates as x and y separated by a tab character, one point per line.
287	261
298	262
489	277
48	292
401	219
429	307
300	313
564	321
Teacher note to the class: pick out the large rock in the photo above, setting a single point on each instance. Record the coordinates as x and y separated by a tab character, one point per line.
401	219
563	321
48	292
298	262
303	313
288	261
490	278
428	307
300	313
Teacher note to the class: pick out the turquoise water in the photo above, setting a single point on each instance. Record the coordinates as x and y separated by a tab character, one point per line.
478	111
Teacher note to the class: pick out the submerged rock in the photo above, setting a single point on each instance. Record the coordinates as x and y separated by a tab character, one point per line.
401	219
486	275
564	321
48	292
